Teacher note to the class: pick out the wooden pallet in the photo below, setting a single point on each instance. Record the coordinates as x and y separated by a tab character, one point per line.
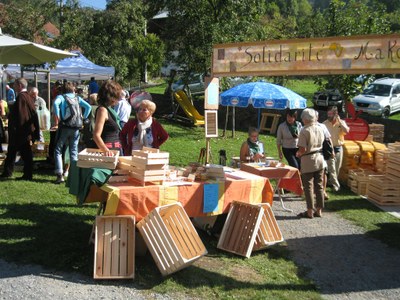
95	158
171	238
248	227
114	254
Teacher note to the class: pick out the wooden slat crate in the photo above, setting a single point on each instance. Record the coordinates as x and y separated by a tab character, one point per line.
171	238
383	191
248	227
95	158
269	232
40	149
395	147
358	180
2	160
381	157
377	131
114	255
146	165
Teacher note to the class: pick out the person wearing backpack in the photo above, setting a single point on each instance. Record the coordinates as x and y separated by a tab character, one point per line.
67	109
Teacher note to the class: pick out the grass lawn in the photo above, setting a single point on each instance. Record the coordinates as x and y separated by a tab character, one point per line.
40	223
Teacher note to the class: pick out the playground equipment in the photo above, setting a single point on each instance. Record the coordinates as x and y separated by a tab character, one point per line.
191	112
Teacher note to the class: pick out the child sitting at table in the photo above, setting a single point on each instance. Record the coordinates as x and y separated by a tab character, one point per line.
252	149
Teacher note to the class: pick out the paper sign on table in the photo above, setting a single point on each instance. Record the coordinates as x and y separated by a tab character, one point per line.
210	199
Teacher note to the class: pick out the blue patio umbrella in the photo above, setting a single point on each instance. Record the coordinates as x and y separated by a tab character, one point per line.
262	94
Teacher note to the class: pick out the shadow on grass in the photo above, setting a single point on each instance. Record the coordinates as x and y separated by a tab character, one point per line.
38	234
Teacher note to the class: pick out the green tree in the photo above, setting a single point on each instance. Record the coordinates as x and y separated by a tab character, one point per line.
118	38
193	27
24	19
352	17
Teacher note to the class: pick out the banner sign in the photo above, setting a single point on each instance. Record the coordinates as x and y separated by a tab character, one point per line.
374	54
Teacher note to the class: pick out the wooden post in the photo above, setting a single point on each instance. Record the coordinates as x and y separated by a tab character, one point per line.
207	150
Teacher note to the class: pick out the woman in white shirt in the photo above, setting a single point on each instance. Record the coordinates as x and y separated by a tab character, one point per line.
287	137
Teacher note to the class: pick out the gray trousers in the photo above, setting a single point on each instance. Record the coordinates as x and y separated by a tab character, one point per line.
313	184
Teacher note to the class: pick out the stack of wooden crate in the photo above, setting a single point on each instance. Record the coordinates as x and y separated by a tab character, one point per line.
146	165
377	131
384	189
358	180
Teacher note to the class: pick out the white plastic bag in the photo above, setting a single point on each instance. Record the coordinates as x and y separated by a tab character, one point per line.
44	118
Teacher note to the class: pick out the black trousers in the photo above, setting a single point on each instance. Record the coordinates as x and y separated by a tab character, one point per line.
25	151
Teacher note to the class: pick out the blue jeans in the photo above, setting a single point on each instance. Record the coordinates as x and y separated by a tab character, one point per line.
65	136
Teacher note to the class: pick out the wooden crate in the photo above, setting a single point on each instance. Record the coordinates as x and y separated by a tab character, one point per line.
171	238
381	157
377	131
40	149
248	227
383	191
358	180
2	161
114	254
146	165
269	232
95	158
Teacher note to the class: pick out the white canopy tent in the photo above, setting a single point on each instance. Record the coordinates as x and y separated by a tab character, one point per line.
72	68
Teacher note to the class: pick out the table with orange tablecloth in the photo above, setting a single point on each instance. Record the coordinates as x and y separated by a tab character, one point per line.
128	199
287	177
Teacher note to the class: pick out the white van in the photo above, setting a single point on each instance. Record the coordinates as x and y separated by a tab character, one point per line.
380	98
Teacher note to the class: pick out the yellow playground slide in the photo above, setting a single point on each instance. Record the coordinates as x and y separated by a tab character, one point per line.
188	108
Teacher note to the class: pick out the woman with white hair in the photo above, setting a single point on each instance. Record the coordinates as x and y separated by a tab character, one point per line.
310	142
144	131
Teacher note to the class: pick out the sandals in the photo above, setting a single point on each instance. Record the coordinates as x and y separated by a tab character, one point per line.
317	215
304	215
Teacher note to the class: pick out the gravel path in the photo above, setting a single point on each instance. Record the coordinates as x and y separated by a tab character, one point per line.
342	261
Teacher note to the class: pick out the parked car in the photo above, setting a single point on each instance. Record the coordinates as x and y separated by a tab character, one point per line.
195	84
329	97
380	98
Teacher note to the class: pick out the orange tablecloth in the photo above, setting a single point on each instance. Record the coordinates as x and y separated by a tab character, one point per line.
287	176
127	199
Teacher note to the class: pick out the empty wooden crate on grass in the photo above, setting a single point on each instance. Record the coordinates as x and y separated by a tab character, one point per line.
171	238
95	158
114	255
249	227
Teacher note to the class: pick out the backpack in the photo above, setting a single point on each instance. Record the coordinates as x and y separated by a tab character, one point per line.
73	114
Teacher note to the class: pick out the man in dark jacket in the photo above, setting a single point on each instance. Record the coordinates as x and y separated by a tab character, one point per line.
23	129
